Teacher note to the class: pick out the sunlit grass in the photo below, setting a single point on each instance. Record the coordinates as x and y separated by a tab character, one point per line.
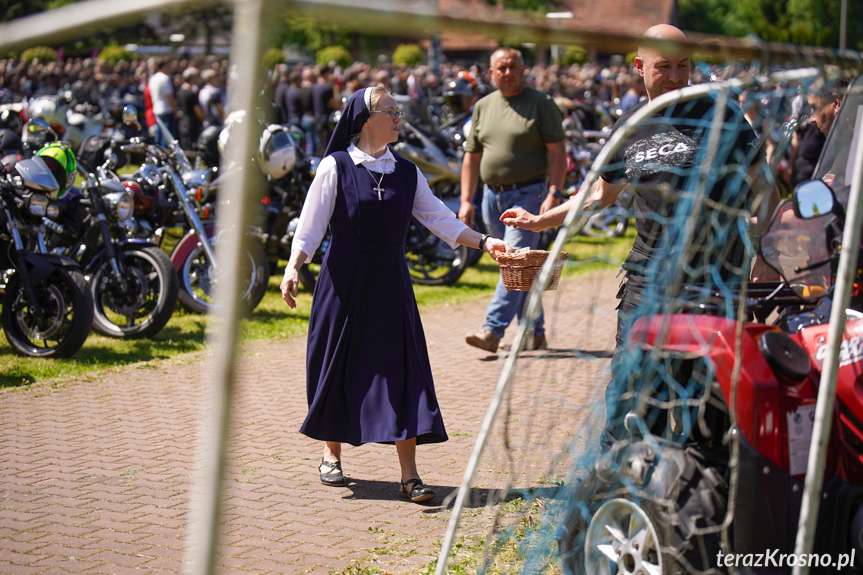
187	332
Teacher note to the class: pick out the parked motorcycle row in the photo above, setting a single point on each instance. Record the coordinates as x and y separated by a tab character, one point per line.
132	247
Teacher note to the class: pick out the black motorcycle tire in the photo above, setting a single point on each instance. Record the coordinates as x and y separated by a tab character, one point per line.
420	275
669	487
68	309
195	275
150	272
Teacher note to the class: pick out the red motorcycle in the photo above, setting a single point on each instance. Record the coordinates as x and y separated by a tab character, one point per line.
663	501
711	475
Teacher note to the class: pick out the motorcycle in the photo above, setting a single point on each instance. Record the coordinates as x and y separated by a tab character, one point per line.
430	260
289	172
132	281
172	210
717	444
47	310
74	124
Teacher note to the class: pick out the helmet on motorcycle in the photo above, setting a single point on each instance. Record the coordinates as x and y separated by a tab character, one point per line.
276	152
232	122
461	93
61	161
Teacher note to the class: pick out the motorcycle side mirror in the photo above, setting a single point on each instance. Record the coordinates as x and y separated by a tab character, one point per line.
814	198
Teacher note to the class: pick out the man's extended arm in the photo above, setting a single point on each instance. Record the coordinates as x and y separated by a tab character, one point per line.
601	194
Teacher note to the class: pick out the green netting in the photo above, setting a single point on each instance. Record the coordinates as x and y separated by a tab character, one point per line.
660	497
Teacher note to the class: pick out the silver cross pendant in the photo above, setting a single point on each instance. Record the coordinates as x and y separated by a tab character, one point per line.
379	190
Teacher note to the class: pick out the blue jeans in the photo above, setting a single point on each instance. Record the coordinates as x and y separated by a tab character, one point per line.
506	305
170	122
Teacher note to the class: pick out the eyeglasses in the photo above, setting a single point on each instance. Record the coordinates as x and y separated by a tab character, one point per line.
393	114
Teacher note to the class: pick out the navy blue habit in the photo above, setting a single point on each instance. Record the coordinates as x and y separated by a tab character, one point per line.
368	374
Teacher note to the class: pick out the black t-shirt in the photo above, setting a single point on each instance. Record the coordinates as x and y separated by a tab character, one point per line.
187	100
321	96
664	162
294	107
811	142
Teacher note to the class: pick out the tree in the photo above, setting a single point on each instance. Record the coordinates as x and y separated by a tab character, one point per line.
810	22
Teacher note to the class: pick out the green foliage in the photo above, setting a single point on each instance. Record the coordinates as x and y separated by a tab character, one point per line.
272	57
573	55
42	53
311	35
54	4
408	55
809	22
114	54
337	54
535	7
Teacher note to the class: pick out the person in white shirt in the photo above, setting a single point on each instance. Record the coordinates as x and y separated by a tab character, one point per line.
368	374
164	103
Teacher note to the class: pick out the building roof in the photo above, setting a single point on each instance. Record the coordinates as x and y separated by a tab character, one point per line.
628	17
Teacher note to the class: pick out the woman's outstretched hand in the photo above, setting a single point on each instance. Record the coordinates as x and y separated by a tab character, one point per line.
495	247
519	218
289	287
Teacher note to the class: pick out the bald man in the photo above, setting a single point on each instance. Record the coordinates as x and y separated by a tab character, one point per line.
662	162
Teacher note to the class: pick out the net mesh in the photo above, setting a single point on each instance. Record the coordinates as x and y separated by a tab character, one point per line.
595	446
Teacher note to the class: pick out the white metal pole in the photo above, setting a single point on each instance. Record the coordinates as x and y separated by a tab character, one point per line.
240	195
827	388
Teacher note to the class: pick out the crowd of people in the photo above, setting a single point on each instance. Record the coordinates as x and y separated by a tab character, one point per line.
301	93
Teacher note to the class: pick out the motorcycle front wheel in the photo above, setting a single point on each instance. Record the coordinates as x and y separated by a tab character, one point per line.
644	508
139	304
63	320
198	281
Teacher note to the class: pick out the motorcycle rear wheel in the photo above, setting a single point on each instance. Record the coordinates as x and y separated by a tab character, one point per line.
145	307
64	321
198	282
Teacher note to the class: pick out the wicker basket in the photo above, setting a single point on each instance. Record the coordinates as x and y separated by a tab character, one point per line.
517	270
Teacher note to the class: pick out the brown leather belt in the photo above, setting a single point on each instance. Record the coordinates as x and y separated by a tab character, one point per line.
499	188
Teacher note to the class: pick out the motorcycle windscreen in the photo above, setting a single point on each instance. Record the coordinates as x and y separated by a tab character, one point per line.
799	250
836	163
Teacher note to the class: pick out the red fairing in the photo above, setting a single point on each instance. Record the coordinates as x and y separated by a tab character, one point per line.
849	395
763	403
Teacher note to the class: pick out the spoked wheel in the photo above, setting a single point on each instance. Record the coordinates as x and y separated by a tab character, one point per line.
645	509
430	260
61	321
611	222
622	539
198	280
139	303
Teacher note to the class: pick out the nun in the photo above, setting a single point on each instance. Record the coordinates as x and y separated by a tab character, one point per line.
368	377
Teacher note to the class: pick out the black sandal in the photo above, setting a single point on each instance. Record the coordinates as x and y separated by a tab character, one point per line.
332	479
417	492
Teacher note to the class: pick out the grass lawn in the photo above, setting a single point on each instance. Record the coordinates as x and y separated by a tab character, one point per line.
186	332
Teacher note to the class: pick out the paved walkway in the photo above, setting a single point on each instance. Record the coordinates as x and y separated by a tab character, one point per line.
96	471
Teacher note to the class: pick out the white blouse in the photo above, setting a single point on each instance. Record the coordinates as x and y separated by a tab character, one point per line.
321	200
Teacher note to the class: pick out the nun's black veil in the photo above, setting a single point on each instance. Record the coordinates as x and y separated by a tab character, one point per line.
354	117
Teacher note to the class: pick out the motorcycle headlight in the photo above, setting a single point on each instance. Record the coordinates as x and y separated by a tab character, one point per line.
53	211
38	204
121	203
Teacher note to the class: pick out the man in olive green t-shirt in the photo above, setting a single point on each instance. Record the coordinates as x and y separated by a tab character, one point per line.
516	146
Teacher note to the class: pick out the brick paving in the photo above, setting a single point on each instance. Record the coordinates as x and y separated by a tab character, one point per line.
96	472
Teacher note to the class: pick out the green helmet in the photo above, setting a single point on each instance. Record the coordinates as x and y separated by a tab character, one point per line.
61	161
